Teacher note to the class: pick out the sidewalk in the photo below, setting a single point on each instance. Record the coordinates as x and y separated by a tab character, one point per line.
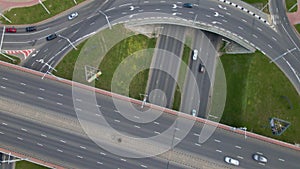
294	17
8	4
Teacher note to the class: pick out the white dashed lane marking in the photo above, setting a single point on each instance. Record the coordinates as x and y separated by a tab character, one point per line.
238	147
219	151
218	141
280	159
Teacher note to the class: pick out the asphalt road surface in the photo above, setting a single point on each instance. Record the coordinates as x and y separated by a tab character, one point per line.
57	97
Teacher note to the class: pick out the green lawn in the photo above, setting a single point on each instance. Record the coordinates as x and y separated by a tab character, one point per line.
297	27
130	46
16	62
116	55
65	67
289	4
28	165
181	76
254	90
36	13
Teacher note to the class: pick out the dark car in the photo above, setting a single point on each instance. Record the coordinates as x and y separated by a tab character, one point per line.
30	29
188	5
11	30
51	37
201	68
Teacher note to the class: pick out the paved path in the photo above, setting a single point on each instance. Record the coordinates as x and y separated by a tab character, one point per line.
8	4
294	17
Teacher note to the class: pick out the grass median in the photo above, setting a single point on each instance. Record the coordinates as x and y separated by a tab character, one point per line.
110	63
255	89
181	76
5	59
297	27
291	5
28	165
36	13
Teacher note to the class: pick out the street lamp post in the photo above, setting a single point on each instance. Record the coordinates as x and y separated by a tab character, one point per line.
68	41
44	6
106	17
245	131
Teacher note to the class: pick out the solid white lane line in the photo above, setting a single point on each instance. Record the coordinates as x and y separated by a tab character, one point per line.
102	153
238	147
280	159
219	151
218	141
43	135
240	157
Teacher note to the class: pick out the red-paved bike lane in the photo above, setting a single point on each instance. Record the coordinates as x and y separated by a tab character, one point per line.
294	17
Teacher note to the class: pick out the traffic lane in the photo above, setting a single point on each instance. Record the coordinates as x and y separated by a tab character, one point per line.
105	103
225	143
73	145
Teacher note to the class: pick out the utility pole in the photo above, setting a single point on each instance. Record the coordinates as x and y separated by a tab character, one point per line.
106	17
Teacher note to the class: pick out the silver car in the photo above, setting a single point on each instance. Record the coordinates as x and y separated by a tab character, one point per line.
73	15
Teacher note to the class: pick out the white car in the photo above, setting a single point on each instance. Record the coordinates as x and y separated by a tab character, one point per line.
195	54
232	161
73	15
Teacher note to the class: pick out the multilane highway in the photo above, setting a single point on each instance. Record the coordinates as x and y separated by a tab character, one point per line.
57	97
